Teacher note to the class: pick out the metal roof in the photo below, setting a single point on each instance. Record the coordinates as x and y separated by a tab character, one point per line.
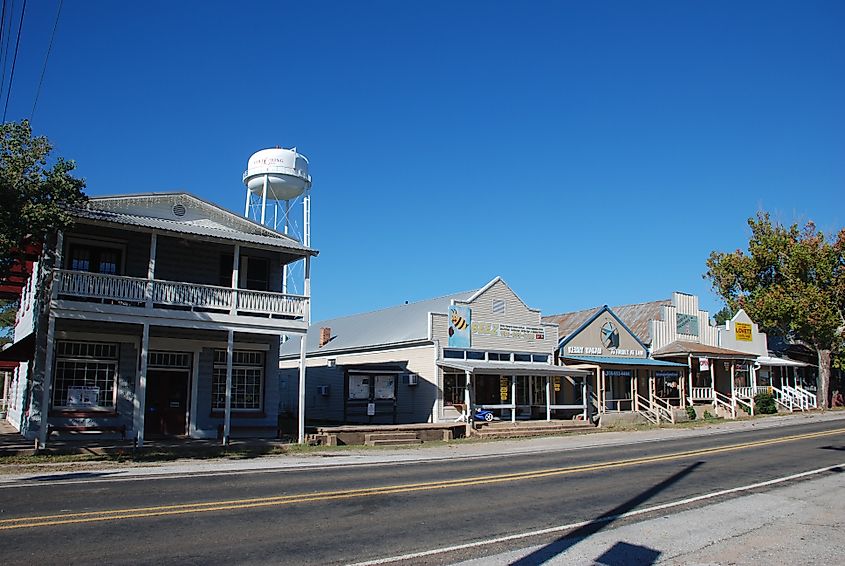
682	348
399	325
511	368
780	362
611	360
221	223
636	317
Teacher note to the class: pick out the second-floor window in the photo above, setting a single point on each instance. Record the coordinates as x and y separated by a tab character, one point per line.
254	272
94	259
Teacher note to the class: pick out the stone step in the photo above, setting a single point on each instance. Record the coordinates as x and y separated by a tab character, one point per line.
514	432
393	442
394	435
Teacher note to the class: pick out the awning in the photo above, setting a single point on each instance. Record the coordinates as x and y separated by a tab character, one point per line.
613	360
511	368
21	351
780	362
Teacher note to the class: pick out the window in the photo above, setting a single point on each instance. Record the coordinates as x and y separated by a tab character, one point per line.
86	376
453	354
522	357
359	386
475	355
542	358
247	380
453	388
498	357
94	258
378	387
253	272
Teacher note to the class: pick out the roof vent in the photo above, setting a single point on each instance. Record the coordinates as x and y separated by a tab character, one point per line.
179	210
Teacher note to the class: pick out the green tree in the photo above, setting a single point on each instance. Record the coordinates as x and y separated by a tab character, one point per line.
724	315
34	195
8	310
791	282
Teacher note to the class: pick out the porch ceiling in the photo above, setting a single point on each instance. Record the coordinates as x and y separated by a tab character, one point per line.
511	368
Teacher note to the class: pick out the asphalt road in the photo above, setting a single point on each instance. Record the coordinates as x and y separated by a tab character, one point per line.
329	515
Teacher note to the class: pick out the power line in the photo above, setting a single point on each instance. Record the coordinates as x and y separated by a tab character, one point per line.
5	58
46	58
14	61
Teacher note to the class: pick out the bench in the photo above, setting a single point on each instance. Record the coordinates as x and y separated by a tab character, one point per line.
87	428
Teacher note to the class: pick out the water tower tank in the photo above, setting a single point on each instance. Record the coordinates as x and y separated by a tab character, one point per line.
285	172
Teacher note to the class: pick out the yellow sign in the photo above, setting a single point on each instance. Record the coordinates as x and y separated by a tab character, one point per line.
504	387
556	384
743	331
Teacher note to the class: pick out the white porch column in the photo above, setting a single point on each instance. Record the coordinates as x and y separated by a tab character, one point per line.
513	398
236	262
712	364
585	395
151	269
548	398
733	389
141	388
635	391
467	402
301	392
227	419
689	374
47	382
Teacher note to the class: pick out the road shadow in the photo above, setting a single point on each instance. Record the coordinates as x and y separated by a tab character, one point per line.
561	545
829	447
624	554
71	476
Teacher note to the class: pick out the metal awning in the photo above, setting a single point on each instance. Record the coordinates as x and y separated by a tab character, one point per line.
780	362
613	360
511	368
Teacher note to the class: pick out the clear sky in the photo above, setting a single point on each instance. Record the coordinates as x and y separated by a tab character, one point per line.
589	152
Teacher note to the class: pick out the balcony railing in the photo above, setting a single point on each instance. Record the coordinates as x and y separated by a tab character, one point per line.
140	292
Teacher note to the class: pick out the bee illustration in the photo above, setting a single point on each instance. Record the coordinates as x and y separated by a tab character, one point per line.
458	321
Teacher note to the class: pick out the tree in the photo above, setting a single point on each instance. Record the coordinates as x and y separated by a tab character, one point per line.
724	315
34	196
8	310
792	283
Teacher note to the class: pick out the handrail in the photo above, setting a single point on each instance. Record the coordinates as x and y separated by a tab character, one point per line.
701	393
745	403
783	398
647	410
720	400
811	399
664	409
800	396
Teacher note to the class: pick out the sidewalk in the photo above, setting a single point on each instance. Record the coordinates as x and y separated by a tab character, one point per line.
357	456
800	524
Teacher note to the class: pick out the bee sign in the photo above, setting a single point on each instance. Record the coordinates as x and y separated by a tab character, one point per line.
460	322
504	387
556	383
743	331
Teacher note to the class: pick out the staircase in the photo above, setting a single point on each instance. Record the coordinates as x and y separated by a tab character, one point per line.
391	439
529	428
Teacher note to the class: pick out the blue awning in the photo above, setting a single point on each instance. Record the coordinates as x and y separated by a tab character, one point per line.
619	361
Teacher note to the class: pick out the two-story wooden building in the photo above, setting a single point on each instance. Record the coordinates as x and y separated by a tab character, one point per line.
155	315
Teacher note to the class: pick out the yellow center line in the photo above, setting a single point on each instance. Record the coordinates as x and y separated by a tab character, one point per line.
236	504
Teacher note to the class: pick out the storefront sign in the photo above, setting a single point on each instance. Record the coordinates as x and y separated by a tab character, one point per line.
501	330
371	409
617	373
667	374
556	383
703	364
504	388
83	396
598	351
460	319
687	324
743	331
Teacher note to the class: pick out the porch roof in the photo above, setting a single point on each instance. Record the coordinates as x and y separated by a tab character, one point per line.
613	360
682	348
511	368
780	362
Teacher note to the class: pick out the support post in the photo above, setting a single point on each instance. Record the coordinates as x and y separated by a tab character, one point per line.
151	269
733	389
236	263
467	402
47	383
141	388
713	380
227	418
548	398
301	391
246	206
513	398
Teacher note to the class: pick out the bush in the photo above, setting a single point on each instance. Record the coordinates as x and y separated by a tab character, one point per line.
764	404
708	416
691	413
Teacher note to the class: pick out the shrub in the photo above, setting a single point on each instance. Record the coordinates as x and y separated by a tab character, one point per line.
708	416
765	404
691	413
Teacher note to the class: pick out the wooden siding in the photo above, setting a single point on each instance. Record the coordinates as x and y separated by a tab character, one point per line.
665	331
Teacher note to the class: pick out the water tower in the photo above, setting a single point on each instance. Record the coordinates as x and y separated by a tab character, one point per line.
278	195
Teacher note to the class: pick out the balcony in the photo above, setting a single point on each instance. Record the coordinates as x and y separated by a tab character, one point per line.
137	292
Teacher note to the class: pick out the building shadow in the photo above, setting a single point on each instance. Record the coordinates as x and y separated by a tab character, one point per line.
601	522
624	554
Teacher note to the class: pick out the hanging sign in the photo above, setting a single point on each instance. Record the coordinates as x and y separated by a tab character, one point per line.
556	383
504	387
703	364
666	374
743	331
617	373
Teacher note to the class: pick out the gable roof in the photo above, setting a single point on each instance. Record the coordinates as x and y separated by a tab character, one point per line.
207	219
562	342
393	326
635	316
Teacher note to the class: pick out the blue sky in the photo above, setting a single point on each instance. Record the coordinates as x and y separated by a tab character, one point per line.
589	153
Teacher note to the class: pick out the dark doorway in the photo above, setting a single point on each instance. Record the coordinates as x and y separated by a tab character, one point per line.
166	403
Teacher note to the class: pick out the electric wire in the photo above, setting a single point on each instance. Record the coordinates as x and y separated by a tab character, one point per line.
5	50
46	58
14	61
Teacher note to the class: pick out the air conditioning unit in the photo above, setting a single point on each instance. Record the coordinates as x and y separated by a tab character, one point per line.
323	390
413	379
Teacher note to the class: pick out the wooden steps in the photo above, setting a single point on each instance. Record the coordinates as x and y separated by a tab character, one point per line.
529	428
395	438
